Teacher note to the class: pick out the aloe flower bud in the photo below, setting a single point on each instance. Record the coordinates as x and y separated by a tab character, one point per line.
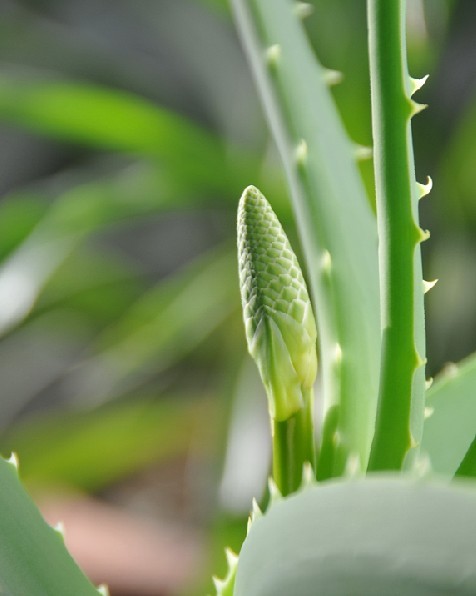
279	323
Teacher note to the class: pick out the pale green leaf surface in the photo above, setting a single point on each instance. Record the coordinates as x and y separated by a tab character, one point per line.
450	427
33	558
89	450
380	535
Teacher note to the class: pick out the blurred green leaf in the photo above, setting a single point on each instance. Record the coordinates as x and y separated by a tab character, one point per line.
115	120
450	428
92	449
163	326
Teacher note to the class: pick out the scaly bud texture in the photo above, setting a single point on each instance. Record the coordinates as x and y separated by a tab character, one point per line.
279	323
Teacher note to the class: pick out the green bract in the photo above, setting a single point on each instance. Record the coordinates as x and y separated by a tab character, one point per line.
279	323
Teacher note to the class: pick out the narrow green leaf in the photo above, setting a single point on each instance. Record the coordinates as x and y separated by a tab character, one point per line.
62	449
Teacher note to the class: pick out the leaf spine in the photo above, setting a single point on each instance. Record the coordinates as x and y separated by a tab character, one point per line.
352	466
416	108
13	460
428	383
332	77
274	492
428	411
416	84
103	590
427	285
301	153
361	152
423	235
326	262
308	478
59	529
425	189
303	9
273	55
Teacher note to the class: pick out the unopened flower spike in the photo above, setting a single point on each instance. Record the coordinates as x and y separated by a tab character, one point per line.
279	323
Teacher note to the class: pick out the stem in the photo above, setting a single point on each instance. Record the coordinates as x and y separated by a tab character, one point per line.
293	446
399	234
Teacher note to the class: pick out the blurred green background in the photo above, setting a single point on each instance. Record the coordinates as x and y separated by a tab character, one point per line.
128	131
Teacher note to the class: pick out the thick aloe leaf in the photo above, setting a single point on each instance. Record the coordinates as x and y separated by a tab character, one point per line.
337	227
380	535
33	558
450	427
62	449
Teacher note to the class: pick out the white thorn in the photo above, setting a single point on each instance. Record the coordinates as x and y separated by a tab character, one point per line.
332	77
424	235
231	558
307	475
428	411
249	523
425	189
301	152
361	152
422	465
303	9
219	584
428	383
103	590
273	54
352	466
255	510
416	84
326	261
416	108
337	353
59	528
450	370
274	491
427	285
13	460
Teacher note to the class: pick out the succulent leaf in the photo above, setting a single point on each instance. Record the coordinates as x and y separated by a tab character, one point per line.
380	535
279	323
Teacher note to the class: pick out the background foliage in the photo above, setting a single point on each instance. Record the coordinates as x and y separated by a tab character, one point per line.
128	130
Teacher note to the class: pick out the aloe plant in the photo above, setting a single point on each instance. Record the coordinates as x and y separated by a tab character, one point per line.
346	523
387	525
